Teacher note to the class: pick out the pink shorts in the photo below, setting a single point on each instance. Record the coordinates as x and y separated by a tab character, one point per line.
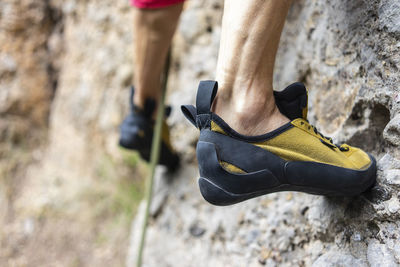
154	3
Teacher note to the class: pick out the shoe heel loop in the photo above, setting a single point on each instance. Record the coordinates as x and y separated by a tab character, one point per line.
205	96
190	113
132	93
200	116
200	121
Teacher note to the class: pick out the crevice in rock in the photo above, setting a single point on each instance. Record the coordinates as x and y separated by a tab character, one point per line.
371	118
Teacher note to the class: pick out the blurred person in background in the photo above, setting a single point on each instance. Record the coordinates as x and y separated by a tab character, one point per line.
154	25
253	140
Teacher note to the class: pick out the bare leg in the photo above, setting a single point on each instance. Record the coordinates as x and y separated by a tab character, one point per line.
251	31
153	31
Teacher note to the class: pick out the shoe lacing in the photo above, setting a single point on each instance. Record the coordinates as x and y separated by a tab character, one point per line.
342	147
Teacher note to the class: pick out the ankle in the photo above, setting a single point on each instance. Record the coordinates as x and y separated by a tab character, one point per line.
140	99
146	106
250	116
138	102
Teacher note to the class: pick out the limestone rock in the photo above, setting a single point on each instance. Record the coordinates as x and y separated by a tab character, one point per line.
352	82
338	259
392	131
379	255
65	72
389	15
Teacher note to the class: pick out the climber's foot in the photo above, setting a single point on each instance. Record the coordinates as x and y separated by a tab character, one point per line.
136	133
294	157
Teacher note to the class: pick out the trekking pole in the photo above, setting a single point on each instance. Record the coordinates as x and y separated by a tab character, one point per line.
154	157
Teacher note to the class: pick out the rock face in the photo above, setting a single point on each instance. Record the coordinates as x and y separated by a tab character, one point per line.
65	69
347	54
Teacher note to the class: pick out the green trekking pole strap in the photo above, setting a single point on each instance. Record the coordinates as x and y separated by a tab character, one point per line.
154	157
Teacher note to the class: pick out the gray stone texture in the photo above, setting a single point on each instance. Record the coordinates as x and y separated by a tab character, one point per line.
347	54
65	70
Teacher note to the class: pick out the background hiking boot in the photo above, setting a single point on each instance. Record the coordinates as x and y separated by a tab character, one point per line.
295	157
136	133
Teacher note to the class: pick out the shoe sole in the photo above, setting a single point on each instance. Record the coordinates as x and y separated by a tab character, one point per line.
221	187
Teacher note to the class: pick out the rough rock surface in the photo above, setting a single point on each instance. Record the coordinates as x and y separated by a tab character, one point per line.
347	54
65	69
